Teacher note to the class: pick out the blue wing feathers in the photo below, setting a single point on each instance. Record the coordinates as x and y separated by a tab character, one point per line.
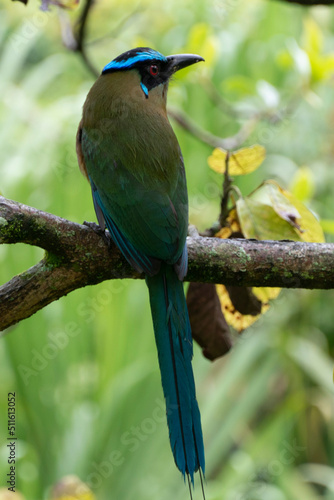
137	259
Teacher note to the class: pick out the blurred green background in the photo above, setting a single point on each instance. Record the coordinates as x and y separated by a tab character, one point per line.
91	403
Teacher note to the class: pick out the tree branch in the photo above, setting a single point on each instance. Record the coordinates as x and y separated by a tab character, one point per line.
76	256
214	141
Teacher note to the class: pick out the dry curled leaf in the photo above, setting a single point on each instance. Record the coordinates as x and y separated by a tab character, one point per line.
242	306
269	213
244	300
208	324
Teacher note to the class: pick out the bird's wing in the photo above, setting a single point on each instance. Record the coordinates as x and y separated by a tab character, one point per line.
146	215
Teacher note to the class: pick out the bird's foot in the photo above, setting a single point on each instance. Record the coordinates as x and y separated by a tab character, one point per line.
193	231
103	233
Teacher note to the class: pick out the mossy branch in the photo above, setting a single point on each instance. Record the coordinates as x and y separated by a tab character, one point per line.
76	256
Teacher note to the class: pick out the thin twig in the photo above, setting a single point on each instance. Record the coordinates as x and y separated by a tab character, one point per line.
80	36
217	99
229	143
117	30
226	193
75	39
82	24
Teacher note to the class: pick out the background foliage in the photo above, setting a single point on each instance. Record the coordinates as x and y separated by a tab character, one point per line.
89	400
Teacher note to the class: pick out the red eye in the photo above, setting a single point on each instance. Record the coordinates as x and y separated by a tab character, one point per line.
154	70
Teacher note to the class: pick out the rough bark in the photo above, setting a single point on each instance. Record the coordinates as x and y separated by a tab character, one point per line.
76	256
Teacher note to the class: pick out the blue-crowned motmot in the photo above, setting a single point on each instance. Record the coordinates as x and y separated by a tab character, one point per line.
129	153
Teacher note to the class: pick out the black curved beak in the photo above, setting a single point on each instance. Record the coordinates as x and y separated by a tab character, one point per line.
180	61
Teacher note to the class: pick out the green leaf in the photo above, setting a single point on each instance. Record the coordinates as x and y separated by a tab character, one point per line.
260	221
302	184
294	212
239	85
313	38
322	65
201	40
282	206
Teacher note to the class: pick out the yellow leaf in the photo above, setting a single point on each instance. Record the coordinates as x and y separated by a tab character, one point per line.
313	39
224	233
240	162
283	207
278	216
309	224
266	294
322	65
233	317
232	226
302	184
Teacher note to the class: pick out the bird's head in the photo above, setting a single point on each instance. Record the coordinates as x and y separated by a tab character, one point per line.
154	68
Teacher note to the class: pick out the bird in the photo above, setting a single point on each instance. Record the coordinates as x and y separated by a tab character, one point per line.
129	153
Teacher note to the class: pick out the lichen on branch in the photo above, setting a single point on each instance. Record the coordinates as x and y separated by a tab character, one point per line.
76	256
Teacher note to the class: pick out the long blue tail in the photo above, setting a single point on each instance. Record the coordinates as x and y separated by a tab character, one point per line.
175	351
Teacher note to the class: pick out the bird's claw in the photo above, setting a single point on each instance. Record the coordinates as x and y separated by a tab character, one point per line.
103	233
192	231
